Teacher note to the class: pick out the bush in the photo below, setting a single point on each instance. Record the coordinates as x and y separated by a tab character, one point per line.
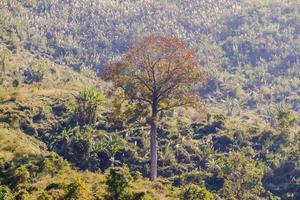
77	190
194	192
31	76
219	117
21	174
36	74
118	182
242	176
52	164
5	193
45	196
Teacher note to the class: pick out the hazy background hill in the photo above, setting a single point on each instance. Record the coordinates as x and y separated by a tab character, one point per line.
254	44
93	32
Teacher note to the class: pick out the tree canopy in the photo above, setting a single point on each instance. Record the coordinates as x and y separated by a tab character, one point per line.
162	72
158	70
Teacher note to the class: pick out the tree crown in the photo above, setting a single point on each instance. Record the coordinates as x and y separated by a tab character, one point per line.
161	71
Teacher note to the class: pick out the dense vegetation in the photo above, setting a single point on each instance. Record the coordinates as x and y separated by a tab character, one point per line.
68	134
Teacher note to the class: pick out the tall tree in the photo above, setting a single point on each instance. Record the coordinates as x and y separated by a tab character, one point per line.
161	72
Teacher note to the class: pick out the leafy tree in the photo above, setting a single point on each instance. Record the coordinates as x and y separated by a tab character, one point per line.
282	118
161	72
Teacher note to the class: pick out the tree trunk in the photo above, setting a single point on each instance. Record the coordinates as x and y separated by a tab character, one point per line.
153	146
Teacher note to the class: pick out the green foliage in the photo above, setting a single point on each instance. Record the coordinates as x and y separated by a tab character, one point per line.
21	174
242	177
52	164
22	194
35	73
87	107
5	193
92	44
77	190
194	192
44	196
118	182
89	148
251	51
219	117
285	118
111	145
3	61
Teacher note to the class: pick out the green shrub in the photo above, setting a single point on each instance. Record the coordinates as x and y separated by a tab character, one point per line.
52	164
44	196
118	182
22	194
194	192
242	176
219	117
5	193
77	190
21	174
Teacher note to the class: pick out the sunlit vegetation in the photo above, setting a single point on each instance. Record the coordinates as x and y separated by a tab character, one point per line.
89	88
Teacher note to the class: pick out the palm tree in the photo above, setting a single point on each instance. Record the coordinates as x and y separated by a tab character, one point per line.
87	107
110	145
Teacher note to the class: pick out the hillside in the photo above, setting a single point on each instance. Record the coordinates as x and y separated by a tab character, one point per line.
36	110
256	48
56	108
35	173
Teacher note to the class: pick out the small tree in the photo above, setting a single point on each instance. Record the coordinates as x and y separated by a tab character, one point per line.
161	72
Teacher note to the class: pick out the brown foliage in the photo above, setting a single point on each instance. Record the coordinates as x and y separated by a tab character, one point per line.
161	71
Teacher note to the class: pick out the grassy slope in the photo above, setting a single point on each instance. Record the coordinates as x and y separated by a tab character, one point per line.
55	88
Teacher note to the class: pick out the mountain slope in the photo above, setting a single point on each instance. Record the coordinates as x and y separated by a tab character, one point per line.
243	144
